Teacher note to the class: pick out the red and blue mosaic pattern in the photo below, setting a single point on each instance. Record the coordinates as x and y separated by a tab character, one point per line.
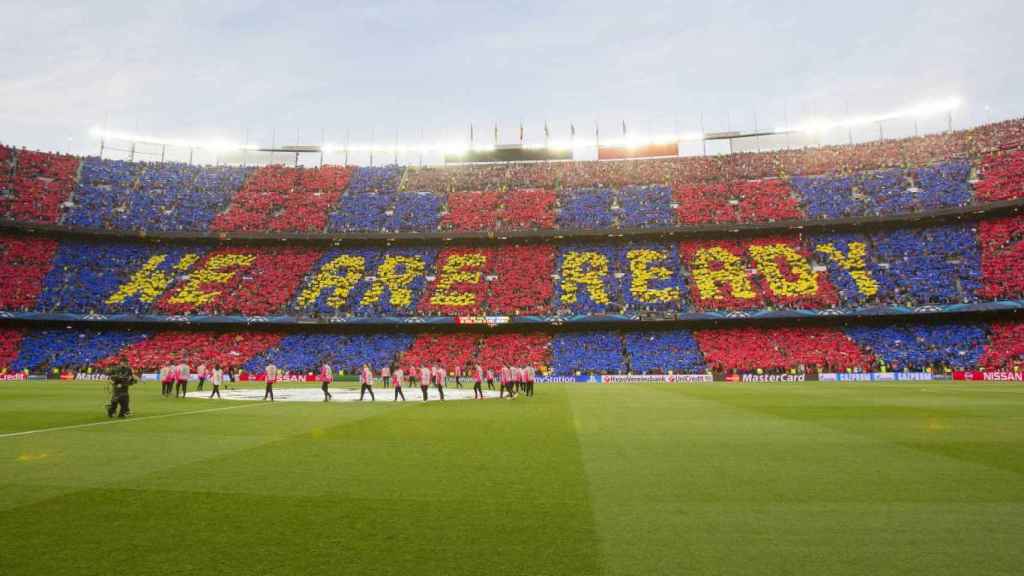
914	267
910	346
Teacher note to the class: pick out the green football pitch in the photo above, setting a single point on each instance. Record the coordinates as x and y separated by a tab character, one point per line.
815	478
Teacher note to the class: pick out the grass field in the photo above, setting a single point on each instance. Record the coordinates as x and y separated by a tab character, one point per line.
809	478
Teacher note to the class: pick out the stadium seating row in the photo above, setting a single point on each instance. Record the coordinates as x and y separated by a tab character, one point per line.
124	196
118	195
895	347
868	156
945	264
34	185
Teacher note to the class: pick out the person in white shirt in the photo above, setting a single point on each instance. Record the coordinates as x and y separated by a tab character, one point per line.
442	381
181	384
366	379
216	379
166	380
425	375
477	380
202	375
326	377
396	378
270	373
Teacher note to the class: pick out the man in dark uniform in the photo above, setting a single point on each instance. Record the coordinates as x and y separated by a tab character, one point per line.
121	378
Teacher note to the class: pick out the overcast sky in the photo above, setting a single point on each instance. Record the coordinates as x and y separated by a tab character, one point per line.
216	69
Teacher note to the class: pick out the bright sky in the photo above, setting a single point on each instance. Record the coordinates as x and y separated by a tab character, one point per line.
202	70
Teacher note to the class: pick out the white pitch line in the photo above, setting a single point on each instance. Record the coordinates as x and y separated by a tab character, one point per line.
122	420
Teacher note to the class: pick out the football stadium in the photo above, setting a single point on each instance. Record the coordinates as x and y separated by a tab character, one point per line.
522	347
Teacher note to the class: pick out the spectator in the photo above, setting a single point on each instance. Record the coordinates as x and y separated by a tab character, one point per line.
662	352
70	347
586	209
587	353
24	262
33	185
279	199
1001	255
916	347
226	349
305	353
780	349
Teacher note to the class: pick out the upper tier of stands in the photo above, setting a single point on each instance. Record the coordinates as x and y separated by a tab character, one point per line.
888	177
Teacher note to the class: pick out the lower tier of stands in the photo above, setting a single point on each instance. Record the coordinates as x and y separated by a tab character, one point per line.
862	348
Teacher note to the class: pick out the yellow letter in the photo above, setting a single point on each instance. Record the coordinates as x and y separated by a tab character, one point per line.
217	270
767	257
149	282
643	269
853	263
458	269
731	273
396	273
588	269
340	284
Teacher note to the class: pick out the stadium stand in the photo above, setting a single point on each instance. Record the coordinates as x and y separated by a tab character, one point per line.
920	346
1002	176
513	350
736	201
307	352
931	265
645	207
119	195
449	351
906	266
225	349
414	212
469	211
662	352
587	352
528	209
751	349
276	198
1005	349
1002	253
10	344
23	264
895	347
70	348
361	212
34	185
586	209
873	179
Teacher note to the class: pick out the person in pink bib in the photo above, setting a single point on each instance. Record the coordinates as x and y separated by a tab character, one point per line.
425	376
166	380
270	373
366	381
181	384
396	379
441	376
326	377
505	381
202	374
478	378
